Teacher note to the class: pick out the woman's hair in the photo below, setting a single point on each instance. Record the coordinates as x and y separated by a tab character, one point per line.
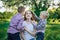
21	9
31	13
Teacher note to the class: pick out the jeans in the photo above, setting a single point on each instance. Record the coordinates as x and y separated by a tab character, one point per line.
40	36
32	39
13	36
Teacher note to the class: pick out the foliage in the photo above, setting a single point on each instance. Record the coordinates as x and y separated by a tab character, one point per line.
37	5
52	13
6	15
58	12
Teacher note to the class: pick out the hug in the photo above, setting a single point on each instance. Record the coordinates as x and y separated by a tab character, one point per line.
25	25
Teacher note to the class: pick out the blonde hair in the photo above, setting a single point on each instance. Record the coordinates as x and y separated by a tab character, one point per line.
45	13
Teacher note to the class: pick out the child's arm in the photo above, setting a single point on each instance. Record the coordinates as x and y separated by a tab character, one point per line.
41	25
34	23
36	17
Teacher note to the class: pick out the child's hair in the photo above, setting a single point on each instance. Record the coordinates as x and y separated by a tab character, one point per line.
45	13
31	13
21	9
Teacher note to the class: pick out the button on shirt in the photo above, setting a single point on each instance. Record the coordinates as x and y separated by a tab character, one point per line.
16	22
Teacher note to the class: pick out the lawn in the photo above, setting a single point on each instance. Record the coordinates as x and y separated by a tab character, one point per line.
52	31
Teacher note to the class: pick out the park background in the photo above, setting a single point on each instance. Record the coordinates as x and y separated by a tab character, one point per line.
8	8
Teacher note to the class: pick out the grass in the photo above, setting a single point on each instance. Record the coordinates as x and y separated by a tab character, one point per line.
52	31
3	30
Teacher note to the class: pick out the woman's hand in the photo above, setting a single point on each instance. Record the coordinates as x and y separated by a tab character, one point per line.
25	28
32	33
22	35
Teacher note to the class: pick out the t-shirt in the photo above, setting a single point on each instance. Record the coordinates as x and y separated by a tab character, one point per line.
30	27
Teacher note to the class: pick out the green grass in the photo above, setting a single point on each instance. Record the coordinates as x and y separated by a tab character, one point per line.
3	30
52	31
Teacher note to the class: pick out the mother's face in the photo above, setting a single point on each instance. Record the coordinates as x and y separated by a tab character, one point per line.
28	15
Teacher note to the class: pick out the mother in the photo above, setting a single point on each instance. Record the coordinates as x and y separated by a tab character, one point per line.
29	18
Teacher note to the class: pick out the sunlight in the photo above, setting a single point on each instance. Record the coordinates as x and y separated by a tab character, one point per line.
1	4
2	9
56	2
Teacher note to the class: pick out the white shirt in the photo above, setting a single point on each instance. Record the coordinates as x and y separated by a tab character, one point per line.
30	27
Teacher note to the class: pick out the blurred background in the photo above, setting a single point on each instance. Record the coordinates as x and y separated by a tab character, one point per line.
8	8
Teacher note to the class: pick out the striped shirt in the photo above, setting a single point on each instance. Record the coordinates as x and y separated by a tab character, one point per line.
41	26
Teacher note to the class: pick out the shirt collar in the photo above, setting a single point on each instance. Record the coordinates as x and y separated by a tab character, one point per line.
43	19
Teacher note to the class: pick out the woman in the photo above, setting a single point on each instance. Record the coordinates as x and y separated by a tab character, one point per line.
29	18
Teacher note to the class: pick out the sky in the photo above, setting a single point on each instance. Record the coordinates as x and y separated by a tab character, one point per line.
2	9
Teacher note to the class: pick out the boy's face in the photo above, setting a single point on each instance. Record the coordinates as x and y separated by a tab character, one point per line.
45	17
42	16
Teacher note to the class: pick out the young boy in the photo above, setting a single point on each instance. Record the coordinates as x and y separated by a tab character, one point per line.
15	26
40	27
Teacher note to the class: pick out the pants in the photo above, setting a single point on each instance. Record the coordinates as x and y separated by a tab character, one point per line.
40	36
13	36
32	39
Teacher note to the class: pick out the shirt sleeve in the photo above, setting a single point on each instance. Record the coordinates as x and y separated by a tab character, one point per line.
16	22
42	24
20	25
13	22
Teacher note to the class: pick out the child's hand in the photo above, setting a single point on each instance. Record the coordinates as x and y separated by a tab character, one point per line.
34	22
34	34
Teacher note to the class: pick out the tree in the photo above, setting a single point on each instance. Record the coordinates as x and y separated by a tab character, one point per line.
37	5
58	12
42	5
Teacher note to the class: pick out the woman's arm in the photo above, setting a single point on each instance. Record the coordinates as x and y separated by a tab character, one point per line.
32	33
22	36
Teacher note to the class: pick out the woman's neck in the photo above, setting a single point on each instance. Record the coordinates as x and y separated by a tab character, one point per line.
28	20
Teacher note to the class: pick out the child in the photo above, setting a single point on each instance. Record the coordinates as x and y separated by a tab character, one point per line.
16	25
29	17
40	27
